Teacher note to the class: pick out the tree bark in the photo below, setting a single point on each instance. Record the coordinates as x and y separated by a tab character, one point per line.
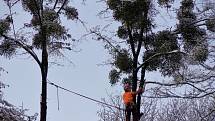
142	81
134	86
44	72
43	103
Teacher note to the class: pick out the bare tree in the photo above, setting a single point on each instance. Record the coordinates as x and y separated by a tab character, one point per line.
108	113
202	109
188	110
117	111
9	112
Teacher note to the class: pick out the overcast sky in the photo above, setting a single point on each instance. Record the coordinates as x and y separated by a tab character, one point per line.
83	75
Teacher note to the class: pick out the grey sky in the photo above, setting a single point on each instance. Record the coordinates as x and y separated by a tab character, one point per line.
83	76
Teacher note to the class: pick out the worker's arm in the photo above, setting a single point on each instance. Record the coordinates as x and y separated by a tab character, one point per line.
141	90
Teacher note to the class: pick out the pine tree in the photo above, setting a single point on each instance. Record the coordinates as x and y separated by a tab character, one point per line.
50	36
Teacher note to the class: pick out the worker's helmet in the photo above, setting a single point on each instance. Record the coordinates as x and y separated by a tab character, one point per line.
127	86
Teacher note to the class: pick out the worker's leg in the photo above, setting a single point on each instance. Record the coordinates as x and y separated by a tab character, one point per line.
134	112
128	113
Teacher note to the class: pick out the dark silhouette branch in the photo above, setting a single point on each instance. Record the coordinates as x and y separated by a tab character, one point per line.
55	4
38	12
131	40
140	42
178	31
175	84
105	39
182	97
26	48
159	54
64	3
14	3
211	112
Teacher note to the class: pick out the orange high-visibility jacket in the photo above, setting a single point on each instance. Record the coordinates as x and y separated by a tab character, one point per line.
128	97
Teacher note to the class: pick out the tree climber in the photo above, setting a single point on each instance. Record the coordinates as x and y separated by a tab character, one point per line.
128	97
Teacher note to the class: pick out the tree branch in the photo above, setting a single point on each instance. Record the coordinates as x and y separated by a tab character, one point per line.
159	54
14	3
131	41
140	41
105	39
27	49
175	84
55	4
64	3
177	31
182	97
15	39
38	13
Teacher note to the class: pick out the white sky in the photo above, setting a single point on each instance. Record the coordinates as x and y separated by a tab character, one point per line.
84	76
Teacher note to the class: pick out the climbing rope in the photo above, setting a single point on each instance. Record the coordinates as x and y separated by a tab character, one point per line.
81	95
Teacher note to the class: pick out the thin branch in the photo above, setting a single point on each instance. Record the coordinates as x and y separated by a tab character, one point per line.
64	3
131	41
140	42
38	13
159	54
55	4
25	48
205	78
176	84
177	31
11	16
208	67
182	97
14	3
212	111
105	39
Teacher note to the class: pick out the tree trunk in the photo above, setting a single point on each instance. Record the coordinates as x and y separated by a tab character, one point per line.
44	72
142	81
43	103
134	86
